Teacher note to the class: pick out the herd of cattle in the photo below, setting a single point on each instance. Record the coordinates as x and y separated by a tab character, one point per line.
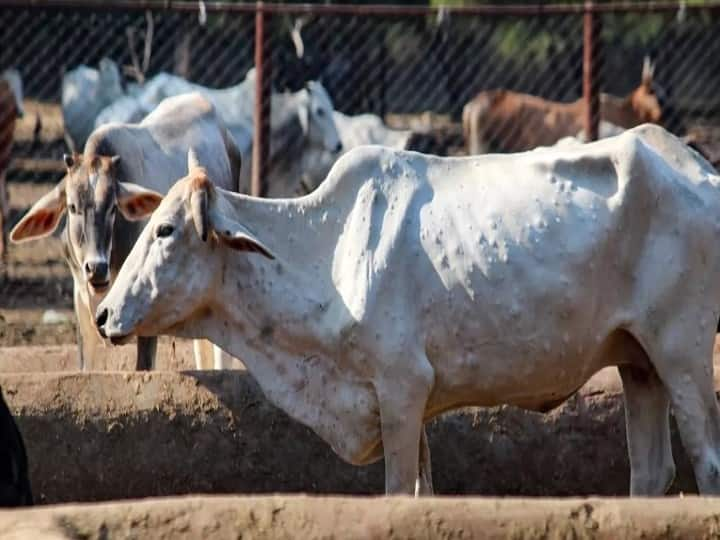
402	285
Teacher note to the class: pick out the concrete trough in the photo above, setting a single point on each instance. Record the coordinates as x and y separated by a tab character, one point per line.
280	517
106	436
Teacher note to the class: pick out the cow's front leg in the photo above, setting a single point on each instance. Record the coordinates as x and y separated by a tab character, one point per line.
424	484
403	398
88	339
146	349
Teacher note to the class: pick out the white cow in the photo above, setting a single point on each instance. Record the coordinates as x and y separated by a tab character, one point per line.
121	162
86	92
409	285
234	103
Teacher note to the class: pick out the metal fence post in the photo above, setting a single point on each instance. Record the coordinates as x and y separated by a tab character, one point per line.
263	91
591	48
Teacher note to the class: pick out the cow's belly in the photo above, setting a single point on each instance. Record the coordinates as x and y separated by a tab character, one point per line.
530	339
520	374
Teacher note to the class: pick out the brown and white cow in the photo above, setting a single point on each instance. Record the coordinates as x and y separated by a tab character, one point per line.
507	121
125	167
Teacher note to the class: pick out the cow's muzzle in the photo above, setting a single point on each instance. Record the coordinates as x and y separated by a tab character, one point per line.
101	319
97	275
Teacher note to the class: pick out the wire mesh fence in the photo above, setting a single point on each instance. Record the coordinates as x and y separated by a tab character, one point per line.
415	70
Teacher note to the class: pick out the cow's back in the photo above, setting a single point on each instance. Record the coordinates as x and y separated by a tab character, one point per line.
191	121
533	241
523	259
154	153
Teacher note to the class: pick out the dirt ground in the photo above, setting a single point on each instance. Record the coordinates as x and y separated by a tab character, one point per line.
291	517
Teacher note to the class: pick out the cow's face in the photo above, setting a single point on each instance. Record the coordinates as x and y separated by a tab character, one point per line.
171	272
316	117
90	194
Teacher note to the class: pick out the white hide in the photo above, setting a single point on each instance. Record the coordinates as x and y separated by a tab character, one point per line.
301	124
86	92
126	110
605	130
357	130
408	285
12	76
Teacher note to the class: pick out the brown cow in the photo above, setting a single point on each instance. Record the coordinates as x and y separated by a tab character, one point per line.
506	121
10	109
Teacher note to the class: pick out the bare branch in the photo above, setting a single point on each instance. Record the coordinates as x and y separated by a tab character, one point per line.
150	30
295	35
134	70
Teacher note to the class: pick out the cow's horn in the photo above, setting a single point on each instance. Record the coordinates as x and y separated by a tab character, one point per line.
199	209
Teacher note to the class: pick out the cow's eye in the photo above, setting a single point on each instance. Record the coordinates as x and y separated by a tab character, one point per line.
72	208
164	230
320	113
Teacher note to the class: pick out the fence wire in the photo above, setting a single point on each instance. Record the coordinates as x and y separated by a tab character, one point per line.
414	72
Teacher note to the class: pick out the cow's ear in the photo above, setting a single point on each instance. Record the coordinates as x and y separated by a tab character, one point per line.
235	235
43	218
648	71
136	202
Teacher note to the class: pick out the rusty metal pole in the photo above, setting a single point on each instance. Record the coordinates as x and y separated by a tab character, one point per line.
591	50
263	91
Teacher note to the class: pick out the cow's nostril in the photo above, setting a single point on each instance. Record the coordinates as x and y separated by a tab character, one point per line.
339	147
101	269
88	268
100	320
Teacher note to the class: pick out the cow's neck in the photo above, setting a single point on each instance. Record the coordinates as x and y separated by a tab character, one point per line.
280	301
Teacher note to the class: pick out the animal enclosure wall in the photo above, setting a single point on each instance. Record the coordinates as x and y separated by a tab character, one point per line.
414	66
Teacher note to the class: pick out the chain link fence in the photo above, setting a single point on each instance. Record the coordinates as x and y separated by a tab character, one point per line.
414	68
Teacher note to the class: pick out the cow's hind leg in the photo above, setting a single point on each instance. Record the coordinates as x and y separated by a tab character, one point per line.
687	373
647	419
204	354
146	349
424	483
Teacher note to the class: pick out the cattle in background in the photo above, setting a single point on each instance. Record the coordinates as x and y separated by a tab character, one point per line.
409	285
506	121
354	131
234	103
301	124
85	92
119	166
11	108
14	479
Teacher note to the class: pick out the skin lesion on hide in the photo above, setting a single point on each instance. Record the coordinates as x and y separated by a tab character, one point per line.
267	332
